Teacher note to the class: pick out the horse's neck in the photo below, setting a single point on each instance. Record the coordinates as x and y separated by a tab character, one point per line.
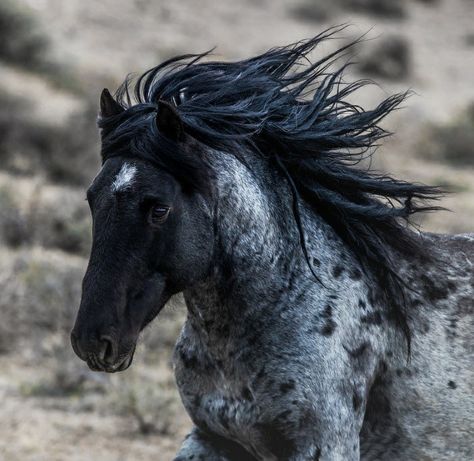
256	243
259	265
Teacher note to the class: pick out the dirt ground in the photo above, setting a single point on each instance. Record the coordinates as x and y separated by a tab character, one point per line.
51	406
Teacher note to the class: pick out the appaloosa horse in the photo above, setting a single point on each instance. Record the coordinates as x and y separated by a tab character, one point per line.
320	327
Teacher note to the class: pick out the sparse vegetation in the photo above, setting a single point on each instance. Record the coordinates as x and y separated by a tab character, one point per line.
25	44
40	291
394	9
64	154
54	217
152	405
387	58
13	226
23	41
320	10
313	11
63	222
65	378
452	142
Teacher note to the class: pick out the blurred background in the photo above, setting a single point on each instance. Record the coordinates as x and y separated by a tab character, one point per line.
55	58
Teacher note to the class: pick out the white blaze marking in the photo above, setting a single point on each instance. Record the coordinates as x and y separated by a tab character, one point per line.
125	177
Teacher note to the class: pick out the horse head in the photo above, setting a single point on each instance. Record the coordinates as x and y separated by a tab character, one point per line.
151	238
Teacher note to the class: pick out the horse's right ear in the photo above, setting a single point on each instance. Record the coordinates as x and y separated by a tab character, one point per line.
108	105
168	121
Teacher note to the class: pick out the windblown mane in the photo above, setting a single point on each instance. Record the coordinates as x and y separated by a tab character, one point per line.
296	113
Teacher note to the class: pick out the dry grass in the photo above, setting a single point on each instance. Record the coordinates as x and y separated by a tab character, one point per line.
23	41
67	153
40	293
320	10
314	11
452	142
33	213
13	223
388	58
393	9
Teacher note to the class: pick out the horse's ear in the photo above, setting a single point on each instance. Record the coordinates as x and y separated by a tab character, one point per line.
169	122
108	105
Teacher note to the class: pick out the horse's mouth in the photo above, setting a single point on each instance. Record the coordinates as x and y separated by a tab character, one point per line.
121	365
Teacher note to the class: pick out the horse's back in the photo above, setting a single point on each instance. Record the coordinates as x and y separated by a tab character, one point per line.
460	245
424	407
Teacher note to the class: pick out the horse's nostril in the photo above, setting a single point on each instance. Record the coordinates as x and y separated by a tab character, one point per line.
108	350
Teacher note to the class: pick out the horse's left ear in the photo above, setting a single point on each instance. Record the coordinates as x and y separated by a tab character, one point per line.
108	105
169	122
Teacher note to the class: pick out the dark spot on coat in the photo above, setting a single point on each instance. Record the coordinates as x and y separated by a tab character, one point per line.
276	440
355	274
328	328
201	424
358	351
452	384
329	324
283	415
253	340
317	454
223	418
372	318
434	291
337	271
416	302
208	324
188	360
451	286
260	375
372	296
424	327
451	332
362	304
356	401
224	331
378	412
224	447
269	384
246	394
383	367
288	386
403	371
196	401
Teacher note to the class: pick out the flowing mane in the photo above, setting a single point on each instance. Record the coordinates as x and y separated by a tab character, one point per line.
295	113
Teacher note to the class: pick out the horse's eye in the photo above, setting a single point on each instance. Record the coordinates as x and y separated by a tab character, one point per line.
158	214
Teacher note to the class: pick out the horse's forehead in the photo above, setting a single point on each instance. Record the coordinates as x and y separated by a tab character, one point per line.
125	178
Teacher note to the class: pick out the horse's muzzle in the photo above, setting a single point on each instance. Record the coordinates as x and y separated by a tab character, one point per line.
103	355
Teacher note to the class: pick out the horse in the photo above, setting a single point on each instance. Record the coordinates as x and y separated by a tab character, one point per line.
321	324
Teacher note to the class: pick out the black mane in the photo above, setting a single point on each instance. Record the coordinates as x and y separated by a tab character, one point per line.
295	112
